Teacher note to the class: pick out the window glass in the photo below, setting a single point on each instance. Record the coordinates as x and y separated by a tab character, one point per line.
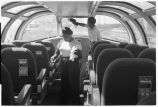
4	2
150	33
112	29
137	34
40	28
142	4
77	30
19	8
154	17
30	13
12	31
4	22
122	8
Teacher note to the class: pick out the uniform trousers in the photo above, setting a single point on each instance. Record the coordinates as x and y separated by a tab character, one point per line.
70	79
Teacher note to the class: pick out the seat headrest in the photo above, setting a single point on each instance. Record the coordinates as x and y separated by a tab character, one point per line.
135	49
149	53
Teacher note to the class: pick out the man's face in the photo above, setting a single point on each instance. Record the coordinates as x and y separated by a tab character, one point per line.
66	37
90	24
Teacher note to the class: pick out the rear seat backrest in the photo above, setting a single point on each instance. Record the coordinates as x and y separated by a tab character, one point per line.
105	58
123	45
40	53
19	43
49	46
98	50
21	66
7	87
97	43
6	45
149	53
122	79
135	49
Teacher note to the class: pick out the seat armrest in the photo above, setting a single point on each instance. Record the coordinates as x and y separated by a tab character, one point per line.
24	95
92	77
42	75
96	95
90	63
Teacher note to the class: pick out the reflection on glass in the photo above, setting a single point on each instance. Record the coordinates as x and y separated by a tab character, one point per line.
154	17
123	8
41	27
4	2
142	4
150	33
112	29
19	8
77	30
4	22
30	13
137	34
12	31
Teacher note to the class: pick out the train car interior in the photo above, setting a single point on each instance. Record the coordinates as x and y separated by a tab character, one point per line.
119	68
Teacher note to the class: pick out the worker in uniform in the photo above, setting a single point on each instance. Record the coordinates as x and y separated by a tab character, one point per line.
69	53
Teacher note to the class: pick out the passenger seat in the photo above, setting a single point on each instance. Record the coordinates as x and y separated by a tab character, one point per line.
6	45
19	43
149	53
22	67
135	49
123	45
127	80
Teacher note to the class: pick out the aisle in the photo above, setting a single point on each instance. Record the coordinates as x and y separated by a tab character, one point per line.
53	96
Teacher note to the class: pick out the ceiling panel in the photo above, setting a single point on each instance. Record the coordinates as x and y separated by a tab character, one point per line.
70	8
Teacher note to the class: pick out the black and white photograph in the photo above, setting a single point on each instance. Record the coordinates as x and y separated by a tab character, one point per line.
78	53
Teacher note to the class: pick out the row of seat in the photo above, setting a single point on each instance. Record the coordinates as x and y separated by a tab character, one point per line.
127	81
19	43
105	54
28	64
9	97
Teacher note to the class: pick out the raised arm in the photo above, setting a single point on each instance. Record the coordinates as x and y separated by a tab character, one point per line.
77	23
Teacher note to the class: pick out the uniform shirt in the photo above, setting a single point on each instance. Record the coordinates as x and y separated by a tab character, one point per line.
94	34
65	47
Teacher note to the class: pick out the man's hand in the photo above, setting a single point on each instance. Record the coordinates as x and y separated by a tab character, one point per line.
73	21
78	53
52	59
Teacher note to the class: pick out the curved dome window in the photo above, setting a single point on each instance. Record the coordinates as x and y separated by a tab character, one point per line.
142	4
17	9
111	29
149	32
11	33
137	34
40	28
4	22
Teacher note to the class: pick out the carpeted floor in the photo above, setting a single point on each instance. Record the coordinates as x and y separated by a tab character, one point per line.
53	95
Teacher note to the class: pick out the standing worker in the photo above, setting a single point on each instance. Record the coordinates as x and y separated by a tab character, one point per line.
69	51
93	32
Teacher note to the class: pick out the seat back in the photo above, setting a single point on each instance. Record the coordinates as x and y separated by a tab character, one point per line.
105	58
135	49
19	43
148	100
123	45
98	49
21	66
49	46
7	87
149	53
40	53
125	79
97	43
6	45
